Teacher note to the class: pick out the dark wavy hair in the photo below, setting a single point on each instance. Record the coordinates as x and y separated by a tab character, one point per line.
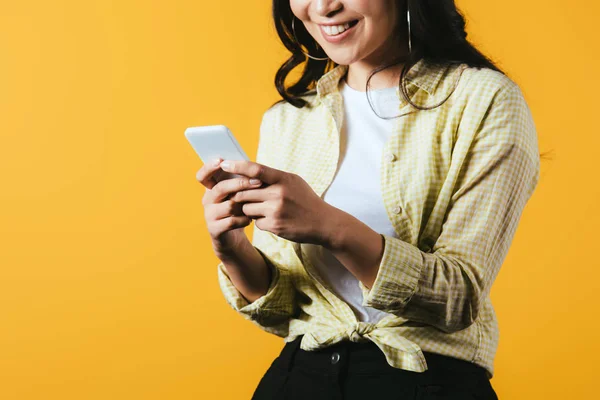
437	35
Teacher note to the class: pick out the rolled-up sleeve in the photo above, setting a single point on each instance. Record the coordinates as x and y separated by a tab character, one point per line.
272	311
494	180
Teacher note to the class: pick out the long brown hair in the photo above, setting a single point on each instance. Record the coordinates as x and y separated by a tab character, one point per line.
437	35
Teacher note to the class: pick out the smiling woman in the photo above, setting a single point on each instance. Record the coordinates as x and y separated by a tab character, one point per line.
379	231
390	36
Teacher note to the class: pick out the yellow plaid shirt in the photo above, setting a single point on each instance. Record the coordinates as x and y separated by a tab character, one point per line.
454	181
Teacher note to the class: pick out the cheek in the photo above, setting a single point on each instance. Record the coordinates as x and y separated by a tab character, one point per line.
300	8
382	28
382	15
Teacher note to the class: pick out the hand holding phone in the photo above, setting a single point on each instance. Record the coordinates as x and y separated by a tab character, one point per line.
225	219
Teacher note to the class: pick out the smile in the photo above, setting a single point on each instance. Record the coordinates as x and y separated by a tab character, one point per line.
335	33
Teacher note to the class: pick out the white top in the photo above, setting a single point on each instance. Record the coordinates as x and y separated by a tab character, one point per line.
356	188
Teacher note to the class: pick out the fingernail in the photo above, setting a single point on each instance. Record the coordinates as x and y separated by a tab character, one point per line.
254	181
225	164
216	161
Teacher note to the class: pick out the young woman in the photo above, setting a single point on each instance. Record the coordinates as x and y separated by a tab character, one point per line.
388	186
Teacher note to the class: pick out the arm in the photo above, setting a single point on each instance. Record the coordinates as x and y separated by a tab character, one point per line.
271	308
445	288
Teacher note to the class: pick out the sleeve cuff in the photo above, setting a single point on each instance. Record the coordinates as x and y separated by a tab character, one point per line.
237	301
397	278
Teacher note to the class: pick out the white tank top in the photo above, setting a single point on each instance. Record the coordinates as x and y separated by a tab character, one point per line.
356	187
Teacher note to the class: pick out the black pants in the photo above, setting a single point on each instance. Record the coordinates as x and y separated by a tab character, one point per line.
359	371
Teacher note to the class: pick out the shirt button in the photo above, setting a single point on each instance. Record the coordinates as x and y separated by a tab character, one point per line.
391	157
397	210
335	357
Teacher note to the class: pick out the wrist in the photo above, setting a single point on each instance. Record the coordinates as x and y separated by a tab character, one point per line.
334	229
232	249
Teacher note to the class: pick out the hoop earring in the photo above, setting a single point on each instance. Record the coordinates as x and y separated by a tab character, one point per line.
297	41
408	21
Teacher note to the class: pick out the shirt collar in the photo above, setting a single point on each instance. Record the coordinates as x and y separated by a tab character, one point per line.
423	75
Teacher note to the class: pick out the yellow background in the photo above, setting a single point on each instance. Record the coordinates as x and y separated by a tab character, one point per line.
108	285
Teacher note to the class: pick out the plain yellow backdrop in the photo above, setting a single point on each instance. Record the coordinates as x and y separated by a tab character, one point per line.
108	285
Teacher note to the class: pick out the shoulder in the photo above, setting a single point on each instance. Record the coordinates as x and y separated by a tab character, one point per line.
280	122
283	109
487	83
488	95
496	107
284	117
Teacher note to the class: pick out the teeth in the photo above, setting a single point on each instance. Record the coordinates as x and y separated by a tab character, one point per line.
336	29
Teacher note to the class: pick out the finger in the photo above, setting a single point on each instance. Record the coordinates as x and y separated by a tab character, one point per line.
226	209
254	210
251	195
206	174
229	223
251	169
230	186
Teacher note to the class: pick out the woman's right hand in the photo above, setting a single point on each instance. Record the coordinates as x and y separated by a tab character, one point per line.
224	217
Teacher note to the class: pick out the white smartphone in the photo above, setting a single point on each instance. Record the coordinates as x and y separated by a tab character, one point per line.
216	141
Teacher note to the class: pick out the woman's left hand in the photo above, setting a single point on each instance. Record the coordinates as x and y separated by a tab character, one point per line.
287	207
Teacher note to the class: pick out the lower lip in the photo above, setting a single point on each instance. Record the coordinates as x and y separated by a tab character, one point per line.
337	38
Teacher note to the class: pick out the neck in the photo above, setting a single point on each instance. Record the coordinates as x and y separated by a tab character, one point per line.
357	76
359	71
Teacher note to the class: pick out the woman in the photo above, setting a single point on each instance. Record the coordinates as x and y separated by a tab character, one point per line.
383	210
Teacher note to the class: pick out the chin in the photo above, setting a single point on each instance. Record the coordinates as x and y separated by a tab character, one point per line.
341	60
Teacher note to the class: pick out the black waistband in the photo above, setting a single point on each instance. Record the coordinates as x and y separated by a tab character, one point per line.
366	356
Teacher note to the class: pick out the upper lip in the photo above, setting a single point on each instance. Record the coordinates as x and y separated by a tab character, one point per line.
336	23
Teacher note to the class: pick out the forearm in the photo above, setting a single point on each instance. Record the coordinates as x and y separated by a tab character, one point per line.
247	270
363	252
358	247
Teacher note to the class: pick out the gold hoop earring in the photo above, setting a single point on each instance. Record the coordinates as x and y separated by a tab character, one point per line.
299	45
